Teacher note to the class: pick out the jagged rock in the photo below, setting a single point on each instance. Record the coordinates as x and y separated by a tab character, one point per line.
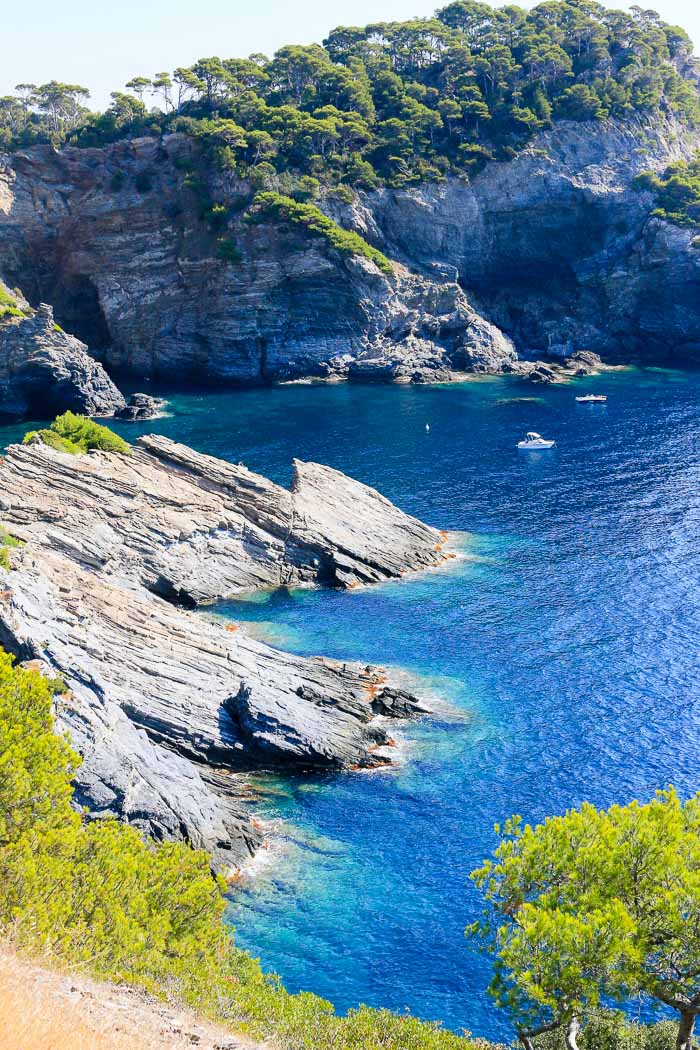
397	703
197	529
169	707
141	407
542	373
45	371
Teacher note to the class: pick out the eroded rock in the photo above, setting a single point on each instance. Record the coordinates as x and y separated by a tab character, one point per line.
44	371
171	708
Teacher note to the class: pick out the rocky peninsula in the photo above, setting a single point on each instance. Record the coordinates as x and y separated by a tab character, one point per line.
169	707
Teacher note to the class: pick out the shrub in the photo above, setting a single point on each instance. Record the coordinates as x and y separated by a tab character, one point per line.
215	215
9	307
7	542
611	1030
312	220
677	192
73	433
227	250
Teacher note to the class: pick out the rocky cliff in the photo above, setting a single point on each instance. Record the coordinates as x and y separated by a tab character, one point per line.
558	246
44	371
551	252
167	706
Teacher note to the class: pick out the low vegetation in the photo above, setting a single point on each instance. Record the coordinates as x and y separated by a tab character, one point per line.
95	895
7	542
9	306
390	102
593	907
310	219
677	192
74	434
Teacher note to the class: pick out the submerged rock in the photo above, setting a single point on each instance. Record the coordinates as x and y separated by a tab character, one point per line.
170	708
44	371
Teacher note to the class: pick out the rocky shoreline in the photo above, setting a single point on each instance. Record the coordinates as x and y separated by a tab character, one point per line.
170	709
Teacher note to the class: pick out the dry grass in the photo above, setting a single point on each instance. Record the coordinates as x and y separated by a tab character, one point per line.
44	1009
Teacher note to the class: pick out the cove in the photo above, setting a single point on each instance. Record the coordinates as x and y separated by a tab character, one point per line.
565	645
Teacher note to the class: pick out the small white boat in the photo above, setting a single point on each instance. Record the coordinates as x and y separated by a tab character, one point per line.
591	399
535	442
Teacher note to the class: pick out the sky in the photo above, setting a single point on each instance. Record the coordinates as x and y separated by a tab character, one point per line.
101	45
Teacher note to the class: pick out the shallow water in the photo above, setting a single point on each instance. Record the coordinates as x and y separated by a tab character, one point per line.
565	643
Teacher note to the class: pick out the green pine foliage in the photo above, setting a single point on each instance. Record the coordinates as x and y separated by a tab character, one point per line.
391	102
75	434
96	895
677	192
310	219
592	907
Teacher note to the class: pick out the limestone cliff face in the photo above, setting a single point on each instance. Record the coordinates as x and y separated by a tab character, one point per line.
552	251
138	276
557	246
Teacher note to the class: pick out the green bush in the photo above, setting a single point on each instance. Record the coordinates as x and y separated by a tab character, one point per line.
73	433
9	307
611	1030
227	250
96	895
677	192
7	542
215	215
312	220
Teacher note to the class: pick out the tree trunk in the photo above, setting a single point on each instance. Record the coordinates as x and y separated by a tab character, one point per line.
684	1040
526	1040
572	1031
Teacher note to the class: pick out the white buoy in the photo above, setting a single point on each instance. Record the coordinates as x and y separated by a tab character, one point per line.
427	426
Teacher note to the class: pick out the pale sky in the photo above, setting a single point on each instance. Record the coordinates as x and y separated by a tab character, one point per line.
102	45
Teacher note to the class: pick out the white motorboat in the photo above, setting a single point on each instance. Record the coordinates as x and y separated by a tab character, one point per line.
591	399
535	442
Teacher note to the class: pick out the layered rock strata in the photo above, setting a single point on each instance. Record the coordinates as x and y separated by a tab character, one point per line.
45	371
169	707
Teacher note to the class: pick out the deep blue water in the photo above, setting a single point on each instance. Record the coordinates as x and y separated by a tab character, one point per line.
566	644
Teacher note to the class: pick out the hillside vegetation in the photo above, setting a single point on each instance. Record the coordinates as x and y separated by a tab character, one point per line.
391	102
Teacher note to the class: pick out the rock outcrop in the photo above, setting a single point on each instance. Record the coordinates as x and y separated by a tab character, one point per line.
170	707
141	407
44	371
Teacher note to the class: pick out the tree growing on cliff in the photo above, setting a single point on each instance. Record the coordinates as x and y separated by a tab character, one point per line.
595	904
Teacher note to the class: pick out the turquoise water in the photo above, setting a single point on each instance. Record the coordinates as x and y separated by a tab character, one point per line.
562	652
